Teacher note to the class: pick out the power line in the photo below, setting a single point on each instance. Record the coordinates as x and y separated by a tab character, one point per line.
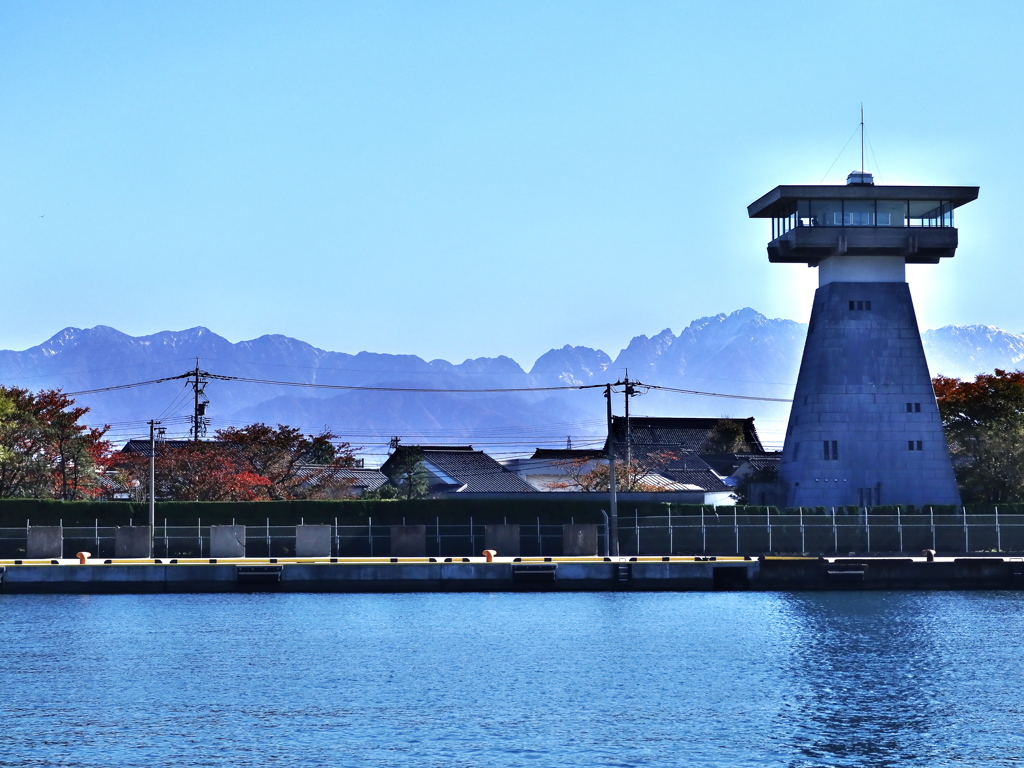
434	390
126	386
717	394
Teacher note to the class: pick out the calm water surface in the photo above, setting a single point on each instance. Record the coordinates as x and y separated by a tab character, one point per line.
857	679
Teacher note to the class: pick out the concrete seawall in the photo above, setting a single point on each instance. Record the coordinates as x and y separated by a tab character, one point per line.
641	574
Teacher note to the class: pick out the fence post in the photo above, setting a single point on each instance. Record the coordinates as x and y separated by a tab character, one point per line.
768	519
472	538
899	526
96	534
199	534
835	533
703	532
636	522
999	537
803	542
967	538
369	533
670	547
736	528
931	515
867	528
540	542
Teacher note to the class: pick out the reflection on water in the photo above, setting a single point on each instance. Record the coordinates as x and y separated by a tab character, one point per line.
899	678
851	679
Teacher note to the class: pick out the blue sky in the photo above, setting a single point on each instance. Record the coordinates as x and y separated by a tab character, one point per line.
460	179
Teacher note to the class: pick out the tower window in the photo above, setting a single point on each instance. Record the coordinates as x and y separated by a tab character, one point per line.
915	445
913	407
831	450
861	305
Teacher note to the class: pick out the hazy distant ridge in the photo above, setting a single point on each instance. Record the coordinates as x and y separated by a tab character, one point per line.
740	353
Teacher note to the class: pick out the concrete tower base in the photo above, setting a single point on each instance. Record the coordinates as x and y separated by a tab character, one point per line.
865	429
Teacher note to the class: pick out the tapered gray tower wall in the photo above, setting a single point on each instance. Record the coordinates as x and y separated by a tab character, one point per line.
864	428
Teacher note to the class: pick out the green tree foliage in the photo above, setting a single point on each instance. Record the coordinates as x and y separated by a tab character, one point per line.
728	436
750	482
45	450
386	492
409	475
984	424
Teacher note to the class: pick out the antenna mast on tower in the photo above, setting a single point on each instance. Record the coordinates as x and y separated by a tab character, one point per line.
862	138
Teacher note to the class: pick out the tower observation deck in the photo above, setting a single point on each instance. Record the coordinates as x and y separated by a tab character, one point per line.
864	428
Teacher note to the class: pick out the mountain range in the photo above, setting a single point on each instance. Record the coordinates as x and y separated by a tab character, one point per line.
742	353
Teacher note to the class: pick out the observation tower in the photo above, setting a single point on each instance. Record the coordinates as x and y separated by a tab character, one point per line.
864	428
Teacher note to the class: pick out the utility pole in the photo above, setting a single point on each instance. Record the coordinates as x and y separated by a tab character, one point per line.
613	532
628	392
152	480
200	401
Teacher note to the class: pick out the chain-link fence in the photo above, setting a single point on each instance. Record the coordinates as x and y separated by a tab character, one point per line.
713	532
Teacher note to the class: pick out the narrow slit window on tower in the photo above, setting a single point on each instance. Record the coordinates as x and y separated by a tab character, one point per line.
915	445
831	450
913	407
861	305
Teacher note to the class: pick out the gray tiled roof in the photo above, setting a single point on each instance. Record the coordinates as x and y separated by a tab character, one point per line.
678	434
472	471
693	470
141	447
568	454
362	479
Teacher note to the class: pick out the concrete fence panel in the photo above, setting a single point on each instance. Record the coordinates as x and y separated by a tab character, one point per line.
45	541
504	539
312	541
227	541
579	540
132	541
408	540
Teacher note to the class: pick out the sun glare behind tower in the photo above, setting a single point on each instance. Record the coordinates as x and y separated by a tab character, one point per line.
864	428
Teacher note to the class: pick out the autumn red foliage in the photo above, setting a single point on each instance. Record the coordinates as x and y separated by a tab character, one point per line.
45	450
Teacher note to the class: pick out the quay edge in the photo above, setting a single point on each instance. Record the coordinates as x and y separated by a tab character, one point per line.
630	574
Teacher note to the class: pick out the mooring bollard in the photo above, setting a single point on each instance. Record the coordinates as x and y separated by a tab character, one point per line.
929	555
82	557
490	554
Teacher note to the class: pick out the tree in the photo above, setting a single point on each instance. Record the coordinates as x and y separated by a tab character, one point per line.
203	472
409	474
386	492
984	424
45	450
728	436
592	474
296	466
754	481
